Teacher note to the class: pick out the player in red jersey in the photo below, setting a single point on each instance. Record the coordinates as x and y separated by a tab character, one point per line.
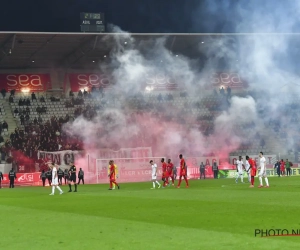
183	172
252	169
282	167
170	171
165	175
112	175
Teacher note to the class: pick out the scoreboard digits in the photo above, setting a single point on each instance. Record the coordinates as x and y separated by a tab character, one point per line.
99	16
92	22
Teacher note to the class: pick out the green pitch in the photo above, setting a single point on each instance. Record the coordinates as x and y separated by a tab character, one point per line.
211	214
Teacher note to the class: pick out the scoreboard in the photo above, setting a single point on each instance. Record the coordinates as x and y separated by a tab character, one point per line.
92	22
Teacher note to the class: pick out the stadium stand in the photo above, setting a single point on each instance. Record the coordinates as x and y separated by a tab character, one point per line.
39	118
44	117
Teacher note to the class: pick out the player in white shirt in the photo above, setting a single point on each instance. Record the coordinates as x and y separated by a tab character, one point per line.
262	170
248	168
239	168
54	183
154	174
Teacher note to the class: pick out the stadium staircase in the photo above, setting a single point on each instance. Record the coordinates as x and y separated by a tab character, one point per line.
7	115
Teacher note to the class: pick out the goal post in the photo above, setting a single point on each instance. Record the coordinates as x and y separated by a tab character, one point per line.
129	169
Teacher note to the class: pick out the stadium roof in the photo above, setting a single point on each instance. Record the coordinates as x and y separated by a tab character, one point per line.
26	50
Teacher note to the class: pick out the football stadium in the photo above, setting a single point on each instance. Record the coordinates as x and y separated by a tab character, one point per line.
152	140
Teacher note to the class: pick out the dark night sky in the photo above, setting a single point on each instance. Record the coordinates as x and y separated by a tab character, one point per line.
146	16
131	15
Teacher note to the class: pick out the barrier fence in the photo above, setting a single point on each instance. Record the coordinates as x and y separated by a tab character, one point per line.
140	175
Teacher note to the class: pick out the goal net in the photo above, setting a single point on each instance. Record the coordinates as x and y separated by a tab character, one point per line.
129	169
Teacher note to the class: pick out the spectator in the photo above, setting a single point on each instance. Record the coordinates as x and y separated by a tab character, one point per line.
3	153
21	102
40	120
12	92
67	118
222	91
1	139
42	99
38	110
80	94
3	92
101	91
5	125
71	94
27	118
33	97
16	112
11	99
22	119
85	93
27	111
44	109
229	91
69	104
61	119
53	99
27	102
12	136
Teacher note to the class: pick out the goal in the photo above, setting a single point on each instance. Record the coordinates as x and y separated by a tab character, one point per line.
129	169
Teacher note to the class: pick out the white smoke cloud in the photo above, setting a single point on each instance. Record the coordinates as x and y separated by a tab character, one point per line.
256	57
241	113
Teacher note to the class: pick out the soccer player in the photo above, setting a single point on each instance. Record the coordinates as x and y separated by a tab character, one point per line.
54	182
116	169
282	167
252	170
154	174
72	177
165	175
112	175
170	170
239	169
183	172
248	168
262	170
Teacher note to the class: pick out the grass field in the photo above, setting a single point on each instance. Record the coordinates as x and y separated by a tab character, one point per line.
211	214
